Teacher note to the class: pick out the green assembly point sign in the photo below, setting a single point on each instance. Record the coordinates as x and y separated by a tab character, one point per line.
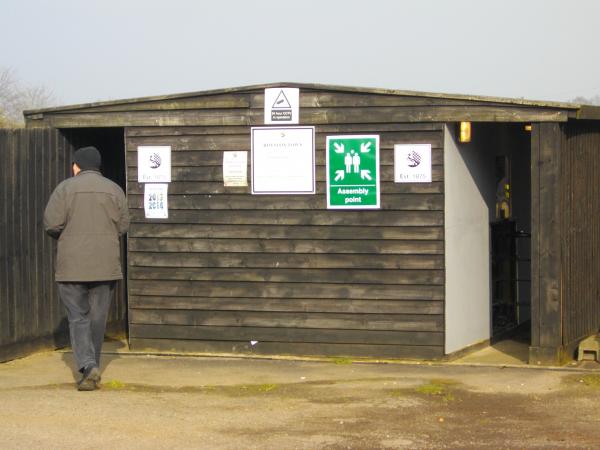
353	172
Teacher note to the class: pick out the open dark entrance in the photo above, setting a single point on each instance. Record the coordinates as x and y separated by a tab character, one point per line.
488	229
111	144
511	236
503	171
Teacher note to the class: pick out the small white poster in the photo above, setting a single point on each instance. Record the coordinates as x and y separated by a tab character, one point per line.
155	201
283	160
235	168
282	106
154	164
412	163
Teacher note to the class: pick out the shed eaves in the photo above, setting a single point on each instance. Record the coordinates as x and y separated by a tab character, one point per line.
324	87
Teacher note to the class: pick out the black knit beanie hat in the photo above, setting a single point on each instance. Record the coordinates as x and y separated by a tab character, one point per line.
87	158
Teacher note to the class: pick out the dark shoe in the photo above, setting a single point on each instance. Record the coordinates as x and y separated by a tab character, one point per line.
90	379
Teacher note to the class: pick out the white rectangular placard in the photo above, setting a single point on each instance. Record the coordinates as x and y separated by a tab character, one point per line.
235	168
282	106
154	164
283	160
155	200
412	163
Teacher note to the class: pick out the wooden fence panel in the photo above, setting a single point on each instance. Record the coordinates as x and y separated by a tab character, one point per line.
34	162
31	317
580	206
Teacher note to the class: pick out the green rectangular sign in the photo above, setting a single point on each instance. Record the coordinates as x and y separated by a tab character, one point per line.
353	172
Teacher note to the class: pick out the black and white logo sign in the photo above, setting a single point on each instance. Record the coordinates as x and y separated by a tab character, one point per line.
414	159
412	163
155	161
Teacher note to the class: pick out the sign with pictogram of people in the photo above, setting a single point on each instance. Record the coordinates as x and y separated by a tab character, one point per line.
353	172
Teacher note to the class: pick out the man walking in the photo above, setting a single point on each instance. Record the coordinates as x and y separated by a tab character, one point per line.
87	214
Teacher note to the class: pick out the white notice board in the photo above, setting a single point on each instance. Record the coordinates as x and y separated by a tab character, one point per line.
155	201
283	160
235	168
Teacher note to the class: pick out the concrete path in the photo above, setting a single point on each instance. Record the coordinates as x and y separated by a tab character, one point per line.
241	403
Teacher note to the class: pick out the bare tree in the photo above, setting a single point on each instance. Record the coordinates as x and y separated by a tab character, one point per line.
595	100
16	97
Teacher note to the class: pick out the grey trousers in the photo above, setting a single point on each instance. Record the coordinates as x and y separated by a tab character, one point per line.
87	307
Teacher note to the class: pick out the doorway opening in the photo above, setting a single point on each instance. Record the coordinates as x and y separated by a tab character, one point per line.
111	144
488	245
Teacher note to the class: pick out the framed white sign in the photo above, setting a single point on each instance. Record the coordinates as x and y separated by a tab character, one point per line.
155	201
412	163
154	164
283	160
235	168
282	106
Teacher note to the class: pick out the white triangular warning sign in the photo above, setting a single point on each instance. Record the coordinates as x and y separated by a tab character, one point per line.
282	105
281	101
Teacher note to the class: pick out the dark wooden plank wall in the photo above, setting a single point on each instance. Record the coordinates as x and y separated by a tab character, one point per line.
35	161
31	317
228	267
580	206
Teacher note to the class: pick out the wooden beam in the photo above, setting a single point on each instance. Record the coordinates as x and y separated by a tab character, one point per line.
546	148
308	116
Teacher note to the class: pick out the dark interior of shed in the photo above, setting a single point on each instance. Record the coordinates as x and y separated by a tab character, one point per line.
111	144
490	213
509	150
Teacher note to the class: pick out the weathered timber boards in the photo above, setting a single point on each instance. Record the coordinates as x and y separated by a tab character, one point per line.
308	305
278	275
284	232
580	207
308	116
273	217
215	187
160	132
287	261
308	99
229	262
289	290
222	101
308	335
312	99
382	322
186	143
397	202
34	162
375	247
546	293
288	348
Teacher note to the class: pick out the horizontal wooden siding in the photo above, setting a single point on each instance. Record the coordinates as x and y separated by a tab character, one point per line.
228	268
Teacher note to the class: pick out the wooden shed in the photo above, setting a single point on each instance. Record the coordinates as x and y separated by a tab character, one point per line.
427	274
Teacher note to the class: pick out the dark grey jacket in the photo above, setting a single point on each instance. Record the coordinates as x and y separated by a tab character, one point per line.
87	214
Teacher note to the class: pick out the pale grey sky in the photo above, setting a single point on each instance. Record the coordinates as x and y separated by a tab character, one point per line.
109	49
